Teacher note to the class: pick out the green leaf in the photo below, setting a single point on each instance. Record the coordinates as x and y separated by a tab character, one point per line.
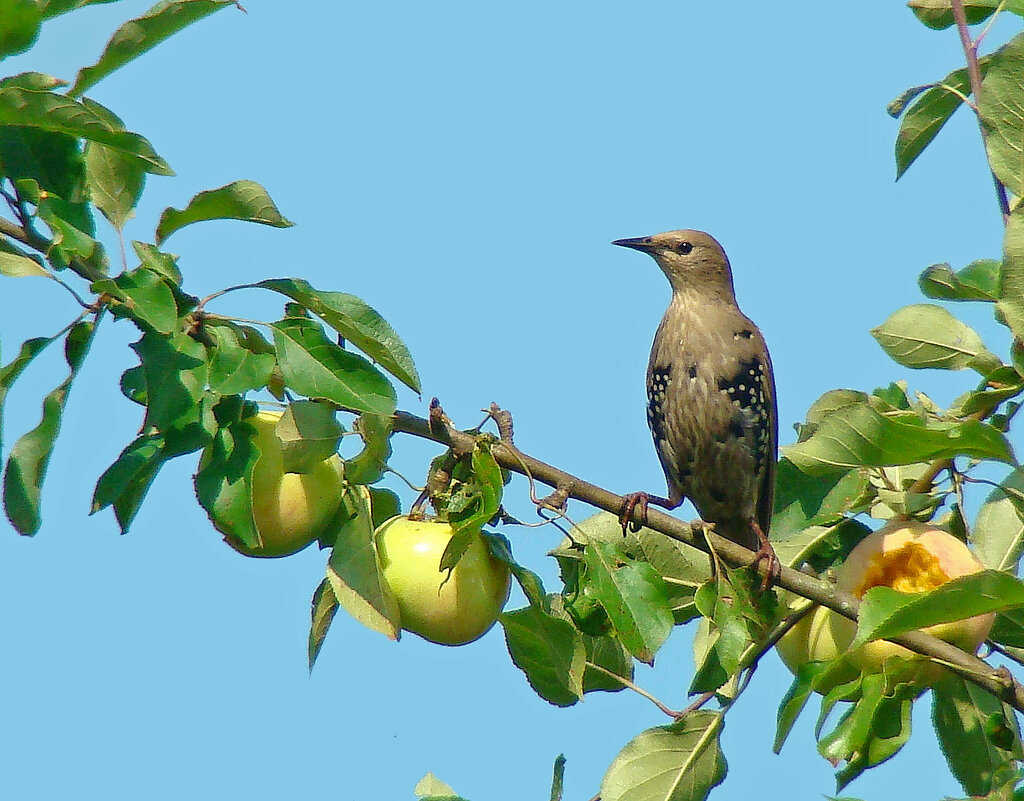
831	401
324	606
610	654
176	375
368	466
71	244
356	322
634	596
806	680
33	81
483	501
240	200
54	161
54	112
133	385
19	26
430	788
858	436
822	546
161	263
125	483
224	481
317	368
144	297
734	620
961	712
683	567
979	280
241	358
549	651
710	675
998	533
874	730
115	182
354	571
802	501
1011	287
309	433
681	762
384	504
886	613
1009	628
30	456
14	265
10	372
53	8
558	778
926	117
141	34
925	335
532	586
998	387
1001	109
852	732
938	14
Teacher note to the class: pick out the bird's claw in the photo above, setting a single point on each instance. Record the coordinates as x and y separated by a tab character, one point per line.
765	553
633	515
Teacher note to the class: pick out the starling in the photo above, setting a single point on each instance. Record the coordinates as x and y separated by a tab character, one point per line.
710	396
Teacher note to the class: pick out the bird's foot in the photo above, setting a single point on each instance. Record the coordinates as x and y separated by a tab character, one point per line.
765	553
633	515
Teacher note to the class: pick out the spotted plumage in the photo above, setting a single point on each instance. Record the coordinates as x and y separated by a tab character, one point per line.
710	392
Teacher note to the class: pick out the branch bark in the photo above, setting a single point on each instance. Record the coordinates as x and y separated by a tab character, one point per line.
998	682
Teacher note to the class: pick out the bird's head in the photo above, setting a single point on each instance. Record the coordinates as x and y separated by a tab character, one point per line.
691	260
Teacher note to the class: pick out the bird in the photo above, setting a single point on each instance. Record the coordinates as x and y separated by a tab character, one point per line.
710	398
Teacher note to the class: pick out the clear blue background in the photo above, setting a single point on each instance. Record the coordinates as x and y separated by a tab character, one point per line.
462	166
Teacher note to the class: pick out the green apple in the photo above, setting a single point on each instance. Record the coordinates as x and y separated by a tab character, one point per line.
290	509
447	609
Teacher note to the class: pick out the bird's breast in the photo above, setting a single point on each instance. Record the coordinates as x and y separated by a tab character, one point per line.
710	409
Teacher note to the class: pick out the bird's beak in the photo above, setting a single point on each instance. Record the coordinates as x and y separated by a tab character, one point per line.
642	243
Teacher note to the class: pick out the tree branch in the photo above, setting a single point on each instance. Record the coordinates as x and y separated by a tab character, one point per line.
15	231
998	682
970	49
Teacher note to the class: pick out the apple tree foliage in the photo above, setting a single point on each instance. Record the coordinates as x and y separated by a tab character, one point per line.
66	162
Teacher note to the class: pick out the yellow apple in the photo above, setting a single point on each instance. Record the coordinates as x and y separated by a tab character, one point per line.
447	609
290	509
909	557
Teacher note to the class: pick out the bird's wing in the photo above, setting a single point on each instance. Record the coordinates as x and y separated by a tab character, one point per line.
766	498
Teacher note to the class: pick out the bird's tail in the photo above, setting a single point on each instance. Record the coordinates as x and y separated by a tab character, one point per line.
739	531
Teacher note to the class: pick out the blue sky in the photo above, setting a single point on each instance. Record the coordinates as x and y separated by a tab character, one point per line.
463	168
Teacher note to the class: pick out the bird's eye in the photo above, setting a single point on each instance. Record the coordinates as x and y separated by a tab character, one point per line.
684	247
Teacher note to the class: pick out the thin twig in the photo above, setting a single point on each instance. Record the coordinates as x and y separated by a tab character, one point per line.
229	319
631	686
999	649
970	49
701	700
988	25
408	483
70	289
